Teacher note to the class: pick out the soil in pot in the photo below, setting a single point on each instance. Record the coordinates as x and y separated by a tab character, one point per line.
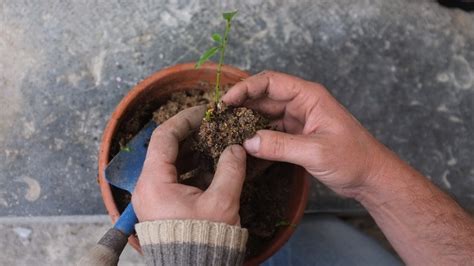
265	195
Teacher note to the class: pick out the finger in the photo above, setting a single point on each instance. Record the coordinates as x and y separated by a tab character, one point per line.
288	124
276	86
276	95
230	173
164	143
271	108
279	146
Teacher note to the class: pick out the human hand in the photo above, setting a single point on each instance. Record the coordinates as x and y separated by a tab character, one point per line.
319	134
158	196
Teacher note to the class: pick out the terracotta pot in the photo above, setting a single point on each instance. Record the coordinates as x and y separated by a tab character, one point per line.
146	97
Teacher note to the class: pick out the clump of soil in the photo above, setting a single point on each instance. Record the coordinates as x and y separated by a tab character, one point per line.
265	194
228	126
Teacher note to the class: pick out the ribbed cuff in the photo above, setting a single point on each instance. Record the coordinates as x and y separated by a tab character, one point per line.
192	242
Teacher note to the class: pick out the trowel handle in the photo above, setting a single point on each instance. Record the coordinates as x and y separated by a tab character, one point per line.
127	220
107	251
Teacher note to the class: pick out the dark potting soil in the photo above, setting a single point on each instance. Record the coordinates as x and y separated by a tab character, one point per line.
265	195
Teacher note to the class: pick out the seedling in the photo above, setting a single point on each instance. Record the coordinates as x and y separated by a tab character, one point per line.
125	148
220	45
208	114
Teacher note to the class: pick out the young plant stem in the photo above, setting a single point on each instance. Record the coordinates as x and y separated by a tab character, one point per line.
217	91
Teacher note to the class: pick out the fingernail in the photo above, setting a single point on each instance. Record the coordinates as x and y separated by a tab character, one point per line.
252	145
238	151
226	100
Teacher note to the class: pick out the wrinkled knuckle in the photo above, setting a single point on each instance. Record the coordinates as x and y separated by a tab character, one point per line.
233	168
184	117
171	122
173	131
277	146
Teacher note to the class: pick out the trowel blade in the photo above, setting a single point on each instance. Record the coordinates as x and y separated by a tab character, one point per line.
125	168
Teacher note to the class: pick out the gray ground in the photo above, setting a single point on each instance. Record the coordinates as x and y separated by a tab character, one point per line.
46	241
404	68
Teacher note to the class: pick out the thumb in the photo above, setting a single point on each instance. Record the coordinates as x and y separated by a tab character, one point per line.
230	173
279	146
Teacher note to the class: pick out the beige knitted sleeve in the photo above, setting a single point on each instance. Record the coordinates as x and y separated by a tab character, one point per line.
192	242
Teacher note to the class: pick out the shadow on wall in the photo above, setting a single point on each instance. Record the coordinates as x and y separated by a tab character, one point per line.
467	5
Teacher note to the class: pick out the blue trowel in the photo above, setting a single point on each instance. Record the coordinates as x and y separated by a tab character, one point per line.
122	172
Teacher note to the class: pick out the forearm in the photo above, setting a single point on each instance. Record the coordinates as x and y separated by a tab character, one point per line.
423	224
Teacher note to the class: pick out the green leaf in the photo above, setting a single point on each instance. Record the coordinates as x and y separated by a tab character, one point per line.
217	38
229	15
205	56
125	149
208	115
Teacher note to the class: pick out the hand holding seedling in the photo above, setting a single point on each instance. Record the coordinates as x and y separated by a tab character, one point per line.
319	134
424	225
158	196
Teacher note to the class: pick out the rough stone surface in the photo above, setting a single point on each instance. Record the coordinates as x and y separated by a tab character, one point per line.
404	68
60	240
